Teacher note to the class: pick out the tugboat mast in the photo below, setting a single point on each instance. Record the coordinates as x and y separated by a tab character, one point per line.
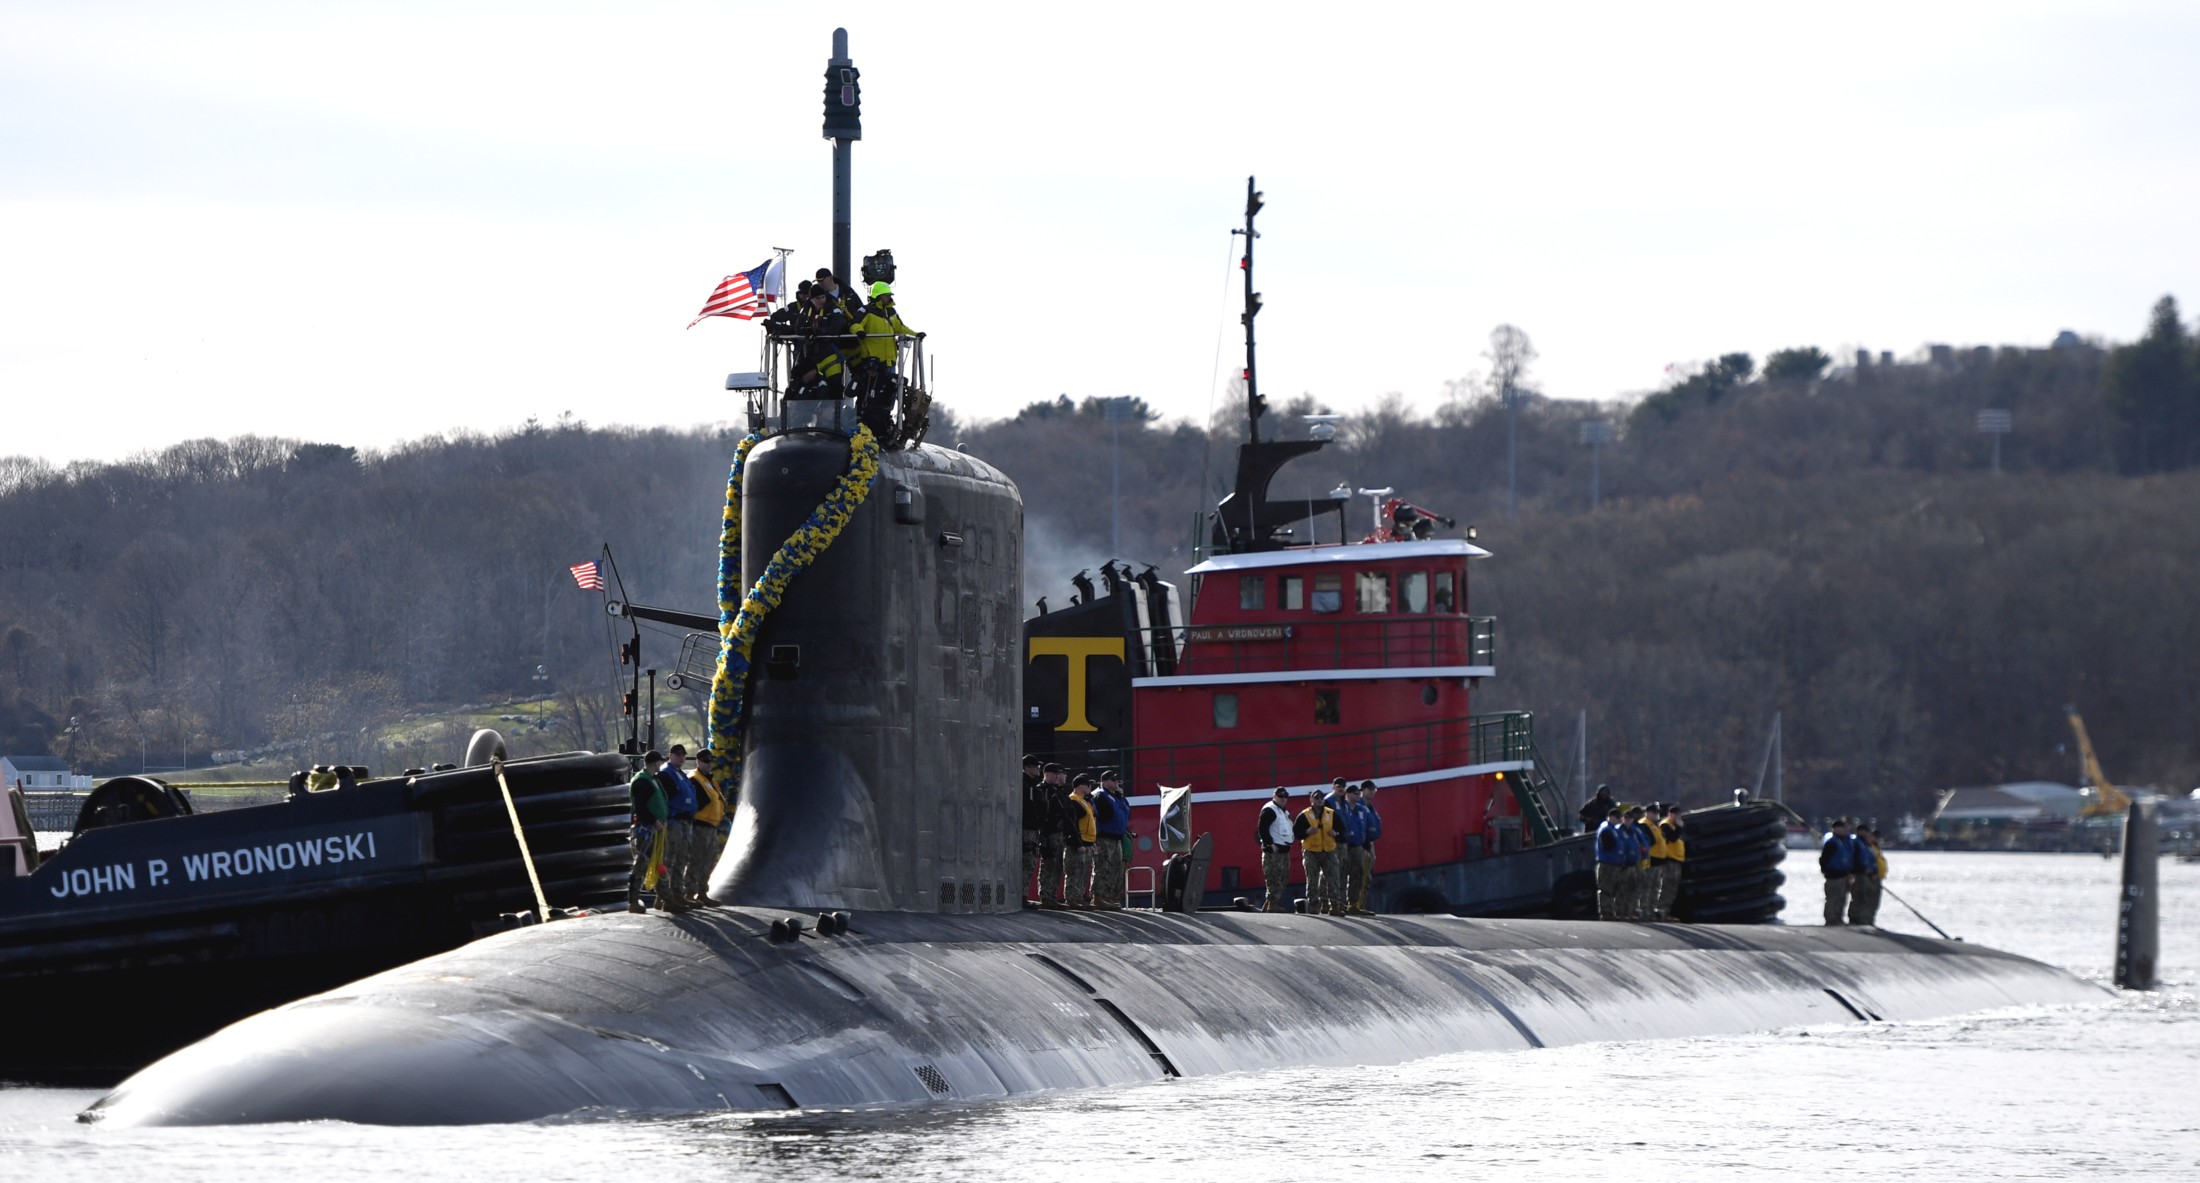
844	126
1255	406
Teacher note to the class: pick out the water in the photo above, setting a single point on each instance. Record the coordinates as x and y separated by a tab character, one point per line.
2095	1092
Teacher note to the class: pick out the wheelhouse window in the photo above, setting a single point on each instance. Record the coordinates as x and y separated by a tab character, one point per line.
1328	593
1326	708
1226	711
1444	599
1292	591
1373	591
1415	591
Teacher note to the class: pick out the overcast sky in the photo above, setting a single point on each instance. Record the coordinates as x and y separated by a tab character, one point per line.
362	223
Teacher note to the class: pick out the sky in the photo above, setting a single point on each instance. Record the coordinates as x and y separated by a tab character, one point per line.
367	223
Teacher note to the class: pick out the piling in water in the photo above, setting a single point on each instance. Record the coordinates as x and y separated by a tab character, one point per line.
2138	936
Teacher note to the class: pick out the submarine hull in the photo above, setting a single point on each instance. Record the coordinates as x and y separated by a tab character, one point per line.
708	1012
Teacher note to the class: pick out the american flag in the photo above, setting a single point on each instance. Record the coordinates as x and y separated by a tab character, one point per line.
745	296
589	574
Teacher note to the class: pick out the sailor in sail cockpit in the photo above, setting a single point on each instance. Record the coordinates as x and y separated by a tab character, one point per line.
878	347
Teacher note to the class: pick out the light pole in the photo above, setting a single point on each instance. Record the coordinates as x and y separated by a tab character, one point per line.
1995	423
1596	433
1512	452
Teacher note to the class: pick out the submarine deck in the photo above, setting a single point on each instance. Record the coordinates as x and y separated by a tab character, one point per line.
652	1014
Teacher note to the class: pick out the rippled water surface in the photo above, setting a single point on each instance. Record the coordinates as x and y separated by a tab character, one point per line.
2094	1092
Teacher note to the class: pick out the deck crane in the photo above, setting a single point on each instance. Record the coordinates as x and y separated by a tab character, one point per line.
2102	799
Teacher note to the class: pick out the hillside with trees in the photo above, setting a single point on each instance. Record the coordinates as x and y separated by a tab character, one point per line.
1824	540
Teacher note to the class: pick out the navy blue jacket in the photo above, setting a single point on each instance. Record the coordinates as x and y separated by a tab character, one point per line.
1111	815
1837	856
679	790
1616	845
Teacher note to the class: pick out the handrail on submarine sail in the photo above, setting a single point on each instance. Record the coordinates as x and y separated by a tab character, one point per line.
910	387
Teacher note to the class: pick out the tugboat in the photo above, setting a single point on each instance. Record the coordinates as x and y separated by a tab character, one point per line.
154	925
1304	659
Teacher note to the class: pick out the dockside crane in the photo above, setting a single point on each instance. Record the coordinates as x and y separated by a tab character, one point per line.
2102	799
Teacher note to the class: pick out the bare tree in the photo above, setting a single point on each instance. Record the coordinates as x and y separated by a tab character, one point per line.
1509	355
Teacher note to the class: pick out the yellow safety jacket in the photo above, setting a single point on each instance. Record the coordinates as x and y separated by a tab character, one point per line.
878	335
1676	846
1882	859
1088	830
1321	833
1658	847
713	809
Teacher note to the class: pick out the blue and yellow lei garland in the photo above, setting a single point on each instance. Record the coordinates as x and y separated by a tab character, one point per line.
738	621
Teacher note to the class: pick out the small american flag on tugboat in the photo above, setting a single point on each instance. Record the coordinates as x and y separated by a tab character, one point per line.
589	574
746	296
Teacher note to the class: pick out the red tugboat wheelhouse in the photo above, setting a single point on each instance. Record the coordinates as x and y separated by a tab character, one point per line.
1303	660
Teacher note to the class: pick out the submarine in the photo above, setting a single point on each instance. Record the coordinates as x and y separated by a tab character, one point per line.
873	947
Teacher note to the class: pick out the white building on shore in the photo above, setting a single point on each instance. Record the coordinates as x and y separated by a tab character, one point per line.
41	774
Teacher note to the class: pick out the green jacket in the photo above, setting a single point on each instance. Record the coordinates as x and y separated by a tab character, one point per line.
648	794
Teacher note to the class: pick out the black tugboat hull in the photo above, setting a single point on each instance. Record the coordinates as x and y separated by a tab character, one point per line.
137	939
618	1015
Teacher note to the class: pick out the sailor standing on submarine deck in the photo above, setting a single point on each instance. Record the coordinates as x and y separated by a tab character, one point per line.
1871	870
1837	862
1079	836
1112	817
1055	784
708	839
1374	833
1669	865
1352	821
1316	830
1036	807
648	796
1615	852
1273	831
680	800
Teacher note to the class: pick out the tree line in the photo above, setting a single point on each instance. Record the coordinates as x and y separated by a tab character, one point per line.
1824	540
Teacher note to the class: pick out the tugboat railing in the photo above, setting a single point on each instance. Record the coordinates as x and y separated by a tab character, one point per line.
1369	754
1410	642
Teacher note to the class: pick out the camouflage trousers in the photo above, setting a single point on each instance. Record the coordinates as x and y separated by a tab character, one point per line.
1050	869
1610	877
1664	877
1275	872
679	856
643	841
1355	859
705	844
1107	872
1077	863
1031	865
1324	888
